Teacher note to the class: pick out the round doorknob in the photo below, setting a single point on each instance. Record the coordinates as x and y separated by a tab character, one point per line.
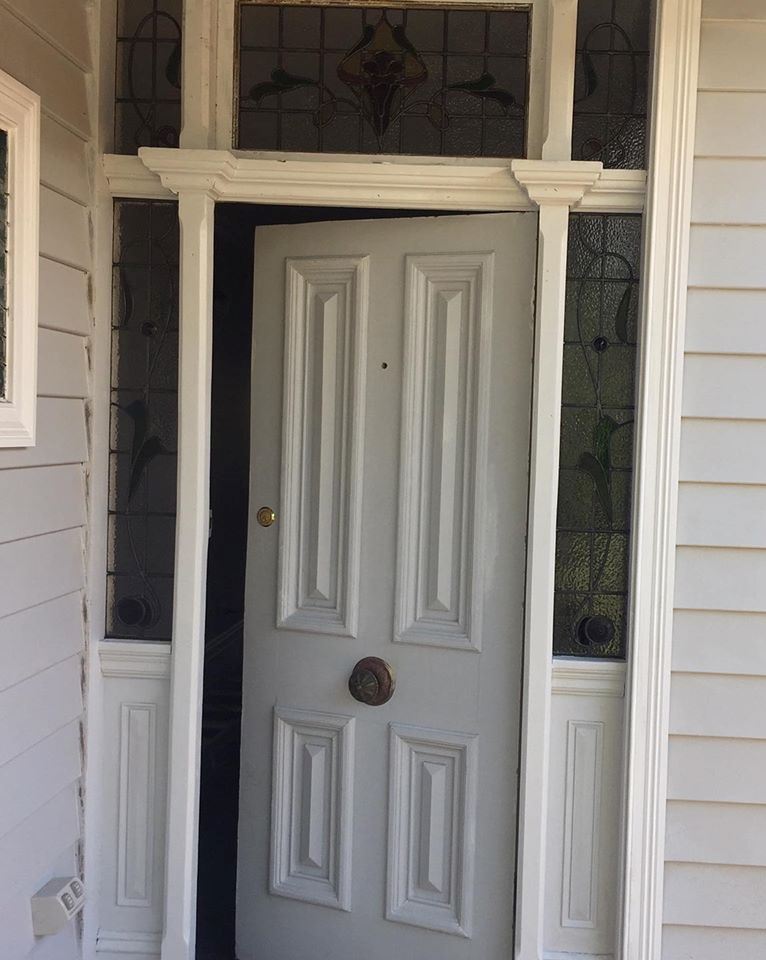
372	682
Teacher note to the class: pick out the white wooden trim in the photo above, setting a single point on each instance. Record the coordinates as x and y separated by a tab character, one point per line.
128	178
199	83
20	119
554	186
196	215
588	678
665	263
622	191
128	658
118	944
559	80
330	180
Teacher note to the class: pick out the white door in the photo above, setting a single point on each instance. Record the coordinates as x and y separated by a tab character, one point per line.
390	434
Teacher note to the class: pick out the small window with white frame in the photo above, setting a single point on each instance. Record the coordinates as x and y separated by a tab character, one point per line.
19	251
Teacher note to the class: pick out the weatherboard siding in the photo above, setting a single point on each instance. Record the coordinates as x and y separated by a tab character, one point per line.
715	876
46	45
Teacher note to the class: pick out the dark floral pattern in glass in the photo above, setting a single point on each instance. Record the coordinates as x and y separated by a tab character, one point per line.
3	259
611	82
143	432
418	81
147	108
597	413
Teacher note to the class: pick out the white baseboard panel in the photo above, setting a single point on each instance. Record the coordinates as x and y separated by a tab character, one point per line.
135	703
584	809
121	945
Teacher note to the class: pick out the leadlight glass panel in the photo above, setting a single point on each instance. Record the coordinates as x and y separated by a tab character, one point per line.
143	444
147	108
597	413
611	82
3	260
418	81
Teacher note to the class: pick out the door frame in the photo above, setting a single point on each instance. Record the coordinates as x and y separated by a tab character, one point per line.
200	177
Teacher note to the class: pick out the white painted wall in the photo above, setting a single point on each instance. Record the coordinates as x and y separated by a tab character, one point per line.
46	45
715	877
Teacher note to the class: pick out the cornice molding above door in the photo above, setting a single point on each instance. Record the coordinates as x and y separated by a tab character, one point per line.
353	181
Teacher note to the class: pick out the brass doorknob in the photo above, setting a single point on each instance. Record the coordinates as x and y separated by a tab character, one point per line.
372	682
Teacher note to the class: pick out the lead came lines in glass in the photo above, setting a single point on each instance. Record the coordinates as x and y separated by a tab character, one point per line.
412	80
598	404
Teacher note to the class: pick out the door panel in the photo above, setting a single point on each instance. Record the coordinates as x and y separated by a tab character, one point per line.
390	431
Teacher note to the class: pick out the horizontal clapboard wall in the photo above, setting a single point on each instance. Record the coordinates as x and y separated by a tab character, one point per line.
715	881
45	45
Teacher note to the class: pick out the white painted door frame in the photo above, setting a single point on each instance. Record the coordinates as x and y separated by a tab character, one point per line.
201	177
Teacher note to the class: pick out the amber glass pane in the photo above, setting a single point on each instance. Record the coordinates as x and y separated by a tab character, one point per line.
400	81
611	80
597	413
147	102
144	387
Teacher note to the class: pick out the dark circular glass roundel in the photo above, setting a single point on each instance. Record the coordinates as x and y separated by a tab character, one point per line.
135	611
600	344
595	631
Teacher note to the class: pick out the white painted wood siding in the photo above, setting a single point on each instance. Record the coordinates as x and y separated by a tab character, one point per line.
46	45
715	879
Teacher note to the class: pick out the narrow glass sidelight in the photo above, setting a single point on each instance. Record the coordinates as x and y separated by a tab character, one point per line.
611	82
143	421
415	80
147	102
597	417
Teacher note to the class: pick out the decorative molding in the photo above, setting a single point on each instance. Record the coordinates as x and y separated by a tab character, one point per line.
615	191
126	658
582	821
327	306
129	178
557	181
432	821
20	119
139	946
664	295
588	678
434	183
136	807
445	413
312	807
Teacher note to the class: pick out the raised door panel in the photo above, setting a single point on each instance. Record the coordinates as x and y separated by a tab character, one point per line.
311	823
448	316
432	810
326	329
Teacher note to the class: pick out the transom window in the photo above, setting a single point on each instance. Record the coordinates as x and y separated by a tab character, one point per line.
415	80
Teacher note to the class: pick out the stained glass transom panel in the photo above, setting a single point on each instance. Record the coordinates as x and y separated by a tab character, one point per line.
147	109
611	82
3	260
143	431
418	81
597	414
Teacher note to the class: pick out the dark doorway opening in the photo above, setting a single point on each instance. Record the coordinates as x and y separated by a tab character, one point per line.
235	237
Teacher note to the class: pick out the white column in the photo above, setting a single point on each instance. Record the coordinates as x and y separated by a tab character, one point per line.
554	187
196	214
199	81
559	80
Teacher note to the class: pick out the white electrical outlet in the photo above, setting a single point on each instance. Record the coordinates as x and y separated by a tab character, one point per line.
54	905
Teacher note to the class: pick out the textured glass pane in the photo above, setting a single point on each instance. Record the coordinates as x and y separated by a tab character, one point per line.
147	92
597	412
402	81
3	259
143	429
611	80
